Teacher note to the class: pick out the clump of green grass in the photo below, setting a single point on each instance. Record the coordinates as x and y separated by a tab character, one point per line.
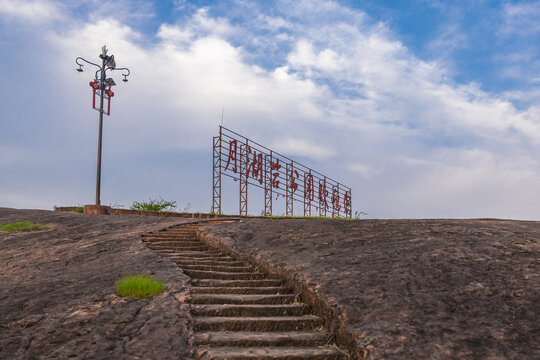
21	226
79	209
154	205
139	287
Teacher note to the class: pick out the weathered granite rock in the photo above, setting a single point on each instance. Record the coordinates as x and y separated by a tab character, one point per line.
57	290
408	289
413	289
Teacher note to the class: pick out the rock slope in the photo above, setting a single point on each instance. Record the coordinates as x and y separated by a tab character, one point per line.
412	289
57	295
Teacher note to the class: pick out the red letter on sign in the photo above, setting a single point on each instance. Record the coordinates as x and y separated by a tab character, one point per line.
257	167
335	198
347	203
323	193
232	155
308	187
294	185
275	166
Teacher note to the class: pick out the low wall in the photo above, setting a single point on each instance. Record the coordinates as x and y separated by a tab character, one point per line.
150	213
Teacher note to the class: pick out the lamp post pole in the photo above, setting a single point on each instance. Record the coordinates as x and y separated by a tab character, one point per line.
98	176
101	83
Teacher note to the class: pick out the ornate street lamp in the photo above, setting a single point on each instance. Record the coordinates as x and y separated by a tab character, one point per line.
101	87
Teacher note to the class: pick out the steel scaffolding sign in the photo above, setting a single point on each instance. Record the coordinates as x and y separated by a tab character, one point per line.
252	164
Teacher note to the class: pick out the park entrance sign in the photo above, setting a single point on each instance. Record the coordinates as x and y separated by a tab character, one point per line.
249	163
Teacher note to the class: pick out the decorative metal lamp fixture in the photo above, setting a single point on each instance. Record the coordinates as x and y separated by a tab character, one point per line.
101	87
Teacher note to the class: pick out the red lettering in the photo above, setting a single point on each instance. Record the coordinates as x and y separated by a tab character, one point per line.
347	202
323	194
275	166
293	185
309	191
335	198
257	167
233	147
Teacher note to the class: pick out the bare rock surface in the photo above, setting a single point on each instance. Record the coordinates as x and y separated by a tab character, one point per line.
413	289
57	290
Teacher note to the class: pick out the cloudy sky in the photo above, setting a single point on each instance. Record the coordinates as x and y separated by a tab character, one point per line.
424	108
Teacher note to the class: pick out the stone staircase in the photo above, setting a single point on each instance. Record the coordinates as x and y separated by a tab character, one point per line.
240	313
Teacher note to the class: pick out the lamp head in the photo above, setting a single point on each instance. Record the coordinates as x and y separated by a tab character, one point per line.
79	69
109	82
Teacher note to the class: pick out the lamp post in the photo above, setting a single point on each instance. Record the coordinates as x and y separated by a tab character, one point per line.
101	86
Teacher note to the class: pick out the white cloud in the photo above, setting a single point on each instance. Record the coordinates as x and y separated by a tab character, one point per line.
521	18
468	183
200	25
129	12
301	147
37	11
365	171
174	34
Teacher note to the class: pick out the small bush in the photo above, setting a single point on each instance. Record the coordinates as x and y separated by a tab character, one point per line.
139	287
154	205
79	209
21	226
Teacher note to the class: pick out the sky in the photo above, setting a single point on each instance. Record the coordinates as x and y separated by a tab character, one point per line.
425	108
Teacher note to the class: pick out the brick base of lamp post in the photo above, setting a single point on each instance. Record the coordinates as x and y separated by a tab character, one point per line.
97	210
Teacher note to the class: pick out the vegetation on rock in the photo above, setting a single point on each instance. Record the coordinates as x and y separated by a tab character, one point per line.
159	205
21	226
139	287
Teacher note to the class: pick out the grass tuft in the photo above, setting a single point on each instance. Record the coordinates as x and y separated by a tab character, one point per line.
21	226
139	287
158	205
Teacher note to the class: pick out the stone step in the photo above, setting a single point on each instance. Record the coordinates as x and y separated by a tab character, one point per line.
249	309
189	253
223	268
168	235
257	338
183	228
270	353
170	238
185	236
264	323
175	243
197	255
178	247
207	261
236	283
242	299
204	260
157	241
199	274
240	290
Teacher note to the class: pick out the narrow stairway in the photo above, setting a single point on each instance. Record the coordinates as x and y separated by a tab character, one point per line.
240	313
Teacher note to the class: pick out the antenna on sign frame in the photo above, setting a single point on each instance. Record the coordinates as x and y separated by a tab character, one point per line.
222	112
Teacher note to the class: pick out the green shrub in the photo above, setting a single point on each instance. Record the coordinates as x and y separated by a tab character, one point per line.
154	205
139	287
79	209
21	226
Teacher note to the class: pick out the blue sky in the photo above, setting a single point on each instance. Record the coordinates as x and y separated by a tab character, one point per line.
424	108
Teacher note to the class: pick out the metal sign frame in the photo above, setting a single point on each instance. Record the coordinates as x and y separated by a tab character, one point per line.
250	163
